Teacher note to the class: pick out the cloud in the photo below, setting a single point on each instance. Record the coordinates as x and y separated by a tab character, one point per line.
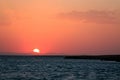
93	16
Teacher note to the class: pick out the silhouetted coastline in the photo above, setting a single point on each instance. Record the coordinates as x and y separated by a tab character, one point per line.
100	57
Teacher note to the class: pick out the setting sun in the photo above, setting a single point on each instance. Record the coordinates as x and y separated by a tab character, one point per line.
36	50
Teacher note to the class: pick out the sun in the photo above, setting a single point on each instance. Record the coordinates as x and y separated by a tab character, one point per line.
36	50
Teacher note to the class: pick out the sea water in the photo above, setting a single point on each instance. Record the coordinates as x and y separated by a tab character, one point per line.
57	68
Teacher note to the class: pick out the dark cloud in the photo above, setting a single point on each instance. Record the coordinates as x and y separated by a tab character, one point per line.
94	16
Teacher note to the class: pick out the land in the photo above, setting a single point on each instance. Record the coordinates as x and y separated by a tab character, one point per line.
99	57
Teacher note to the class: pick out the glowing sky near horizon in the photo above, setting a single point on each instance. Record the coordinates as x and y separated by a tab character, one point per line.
60	27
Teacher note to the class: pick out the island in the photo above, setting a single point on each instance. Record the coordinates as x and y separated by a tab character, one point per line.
96	57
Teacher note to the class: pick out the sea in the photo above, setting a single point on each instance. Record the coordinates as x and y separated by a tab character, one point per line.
56	68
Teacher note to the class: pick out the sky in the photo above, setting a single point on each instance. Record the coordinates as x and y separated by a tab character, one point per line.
60	27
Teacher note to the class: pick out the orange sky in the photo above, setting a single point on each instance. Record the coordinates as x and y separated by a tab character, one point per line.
60	26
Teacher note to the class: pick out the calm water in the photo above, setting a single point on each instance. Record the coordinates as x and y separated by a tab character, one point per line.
57	68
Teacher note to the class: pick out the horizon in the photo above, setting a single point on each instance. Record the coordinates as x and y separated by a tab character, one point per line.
51	54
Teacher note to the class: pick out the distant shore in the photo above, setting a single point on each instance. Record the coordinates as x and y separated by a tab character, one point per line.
100	57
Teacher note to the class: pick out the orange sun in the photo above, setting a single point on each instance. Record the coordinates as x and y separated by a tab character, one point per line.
36	50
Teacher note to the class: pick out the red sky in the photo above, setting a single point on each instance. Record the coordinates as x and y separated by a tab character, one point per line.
62	27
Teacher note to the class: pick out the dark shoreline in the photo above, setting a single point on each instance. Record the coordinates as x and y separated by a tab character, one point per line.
99	57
